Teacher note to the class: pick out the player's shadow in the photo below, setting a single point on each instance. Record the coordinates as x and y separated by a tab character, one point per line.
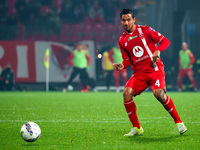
143	139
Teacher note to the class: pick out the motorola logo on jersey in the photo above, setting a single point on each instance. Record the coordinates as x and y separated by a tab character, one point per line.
138	51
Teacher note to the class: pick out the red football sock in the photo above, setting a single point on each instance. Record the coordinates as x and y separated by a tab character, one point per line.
131	111
169	106
179	85
194	84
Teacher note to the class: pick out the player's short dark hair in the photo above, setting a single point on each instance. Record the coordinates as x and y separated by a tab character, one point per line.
127	11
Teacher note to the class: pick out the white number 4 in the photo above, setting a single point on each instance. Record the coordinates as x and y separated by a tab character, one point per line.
157	83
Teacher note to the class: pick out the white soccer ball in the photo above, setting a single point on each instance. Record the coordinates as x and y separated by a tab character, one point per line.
30	132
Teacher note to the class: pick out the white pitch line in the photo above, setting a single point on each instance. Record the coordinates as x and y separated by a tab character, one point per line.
87	121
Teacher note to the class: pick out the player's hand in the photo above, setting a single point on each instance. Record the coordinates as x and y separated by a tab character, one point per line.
156	56
118	66
7	81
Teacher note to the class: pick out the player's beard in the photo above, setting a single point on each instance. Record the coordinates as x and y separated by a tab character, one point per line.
129	29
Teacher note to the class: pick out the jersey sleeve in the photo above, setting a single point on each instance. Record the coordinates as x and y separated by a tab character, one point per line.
154	35
123	51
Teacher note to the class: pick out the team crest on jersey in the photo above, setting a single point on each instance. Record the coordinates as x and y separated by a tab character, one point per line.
150	29
138	51
132	37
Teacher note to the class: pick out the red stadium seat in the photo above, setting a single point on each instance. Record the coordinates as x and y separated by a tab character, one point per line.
76	33
75	38
98	32
21	28
57	4
76	28
98	38
19	37
63	38
53	38
109	28
98	28
109	31
87	37
11	6
30	37
65	29
87	32
87	28
119	31
41	37
87	20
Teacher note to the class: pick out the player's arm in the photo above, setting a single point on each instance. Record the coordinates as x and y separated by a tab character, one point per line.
159	39
192	59
179	62
125	63
88	59
164	43
70	59
103	62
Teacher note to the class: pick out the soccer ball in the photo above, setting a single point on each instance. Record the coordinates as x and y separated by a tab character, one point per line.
30	132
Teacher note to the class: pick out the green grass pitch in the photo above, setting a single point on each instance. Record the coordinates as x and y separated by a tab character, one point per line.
75	120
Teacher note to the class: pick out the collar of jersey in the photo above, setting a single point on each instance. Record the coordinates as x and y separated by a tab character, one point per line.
131	32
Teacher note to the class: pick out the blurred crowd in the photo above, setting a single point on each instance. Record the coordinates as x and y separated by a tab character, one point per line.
25	19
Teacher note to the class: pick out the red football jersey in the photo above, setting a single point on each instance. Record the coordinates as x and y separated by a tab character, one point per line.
139	46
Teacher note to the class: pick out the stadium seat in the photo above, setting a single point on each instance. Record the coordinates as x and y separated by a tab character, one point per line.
30	37
53	38
19	37
98	28
63	38
98	32
109	30
76	28
41	37
11	6
86	20
87	37
57	4
75	38
21	28
98	38
65	29
119	31
87	32
76	33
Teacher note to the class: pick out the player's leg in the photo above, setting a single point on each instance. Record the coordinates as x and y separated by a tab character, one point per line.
133	87
179	80
109	77
84	77
168	104
190	74
159	91
124	75
116	76
74	73
131	111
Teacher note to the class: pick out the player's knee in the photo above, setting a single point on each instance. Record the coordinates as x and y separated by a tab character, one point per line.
128	94
160	95
191	78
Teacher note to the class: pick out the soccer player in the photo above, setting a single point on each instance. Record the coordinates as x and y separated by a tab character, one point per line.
186	59
107	68
139	49
116	57
79	60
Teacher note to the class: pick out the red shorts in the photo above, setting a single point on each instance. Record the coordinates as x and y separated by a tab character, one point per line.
140	81
184	72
